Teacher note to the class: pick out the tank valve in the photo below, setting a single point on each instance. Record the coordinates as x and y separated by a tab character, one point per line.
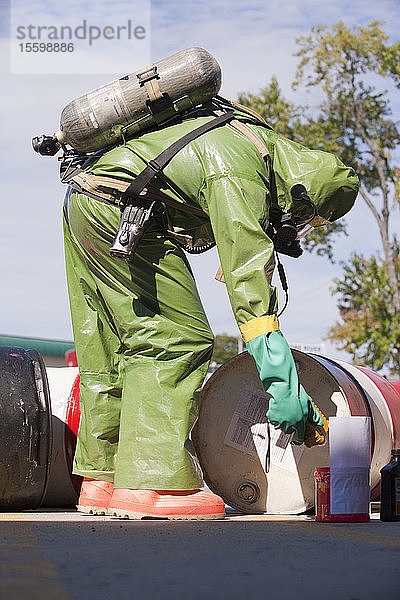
248	491
46	145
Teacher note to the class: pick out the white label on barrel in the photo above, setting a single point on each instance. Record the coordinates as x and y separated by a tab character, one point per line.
284	454
248	429
250	433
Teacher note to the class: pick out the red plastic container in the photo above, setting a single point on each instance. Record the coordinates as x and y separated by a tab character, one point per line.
323	501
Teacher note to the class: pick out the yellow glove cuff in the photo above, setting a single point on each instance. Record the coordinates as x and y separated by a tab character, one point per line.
258	326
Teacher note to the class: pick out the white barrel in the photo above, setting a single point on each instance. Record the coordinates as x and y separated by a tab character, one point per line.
140	100
62	486
252	465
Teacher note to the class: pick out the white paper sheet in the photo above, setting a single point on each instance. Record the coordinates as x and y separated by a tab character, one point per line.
249	432
349	442
350	491
284	454
350	458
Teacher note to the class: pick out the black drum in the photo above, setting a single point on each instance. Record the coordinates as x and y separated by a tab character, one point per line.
25	429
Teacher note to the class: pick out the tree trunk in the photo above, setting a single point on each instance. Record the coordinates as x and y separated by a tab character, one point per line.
382	220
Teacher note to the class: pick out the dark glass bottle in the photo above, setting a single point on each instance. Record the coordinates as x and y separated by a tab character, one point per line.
390	489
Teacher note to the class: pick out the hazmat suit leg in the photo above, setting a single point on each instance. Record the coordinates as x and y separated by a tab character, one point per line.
143	345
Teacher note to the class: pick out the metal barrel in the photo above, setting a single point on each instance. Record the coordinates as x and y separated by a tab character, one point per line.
25	429
383	398
39	420
252	465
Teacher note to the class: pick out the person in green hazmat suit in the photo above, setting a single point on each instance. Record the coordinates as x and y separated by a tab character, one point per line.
142	338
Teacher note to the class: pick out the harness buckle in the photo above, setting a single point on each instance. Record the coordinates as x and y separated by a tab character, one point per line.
147	75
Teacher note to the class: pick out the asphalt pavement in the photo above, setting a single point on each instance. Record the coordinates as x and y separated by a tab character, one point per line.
68	556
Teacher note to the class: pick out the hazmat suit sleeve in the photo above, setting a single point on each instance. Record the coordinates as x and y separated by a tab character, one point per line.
237	208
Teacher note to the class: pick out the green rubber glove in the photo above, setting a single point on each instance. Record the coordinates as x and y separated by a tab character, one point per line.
290	406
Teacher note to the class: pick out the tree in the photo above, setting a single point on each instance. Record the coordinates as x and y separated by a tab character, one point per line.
344	63
348	68
369	329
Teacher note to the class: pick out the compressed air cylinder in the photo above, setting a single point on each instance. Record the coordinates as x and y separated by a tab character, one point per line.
140	100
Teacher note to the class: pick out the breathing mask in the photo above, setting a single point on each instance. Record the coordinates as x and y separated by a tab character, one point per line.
286	229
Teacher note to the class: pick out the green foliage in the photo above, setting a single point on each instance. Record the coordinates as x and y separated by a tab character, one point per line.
368	328
348	65
225	347
352	67
340	55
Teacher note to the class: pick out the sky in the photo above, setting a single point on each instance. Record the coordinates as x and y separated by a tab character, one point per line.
252	41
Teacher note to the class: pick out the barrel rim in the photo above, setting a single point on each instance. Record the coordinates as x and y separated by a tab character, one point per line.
46	429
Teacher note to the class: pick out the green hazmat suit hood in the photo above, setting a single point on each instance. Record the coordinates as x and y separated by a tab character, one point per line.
331	185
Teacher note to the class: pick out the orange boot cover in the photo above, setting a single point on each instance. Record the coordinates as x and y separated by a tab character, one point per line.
95	496
166	504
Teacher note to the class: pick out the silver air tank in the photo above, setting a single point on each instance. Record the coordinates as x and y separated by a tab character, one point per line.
140	100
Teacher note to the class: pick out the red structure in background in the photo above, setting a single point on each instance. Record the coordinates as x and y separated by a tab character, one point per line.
70	358
72	419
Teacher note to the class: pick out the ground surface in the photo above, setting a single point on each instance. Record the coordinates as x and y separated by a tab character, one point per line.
69	556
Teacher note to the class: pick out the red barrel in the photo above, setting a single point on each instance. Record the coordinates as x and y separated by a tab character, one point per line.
396	385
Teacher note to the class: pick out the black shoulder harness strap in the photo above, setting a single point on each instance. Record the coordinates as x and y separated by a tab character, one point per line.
121	193
156	165
131	197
